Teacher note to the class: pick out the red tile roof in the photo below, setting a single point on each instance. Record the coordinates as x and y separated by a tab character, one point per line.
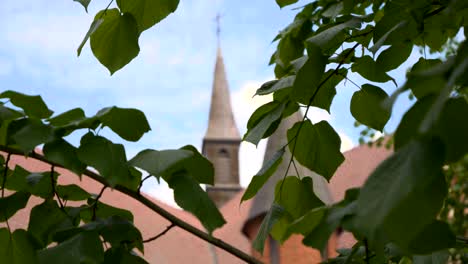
178	246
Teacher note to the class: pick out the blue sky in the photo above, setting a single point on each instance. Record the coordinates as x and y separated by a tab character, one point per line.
171	78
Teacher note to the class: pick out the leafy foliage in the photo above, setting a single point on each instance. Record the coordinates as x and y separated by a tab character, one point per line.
396	216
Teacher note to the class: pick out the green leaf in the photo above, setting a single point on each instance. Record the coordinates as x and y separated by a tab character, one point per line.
306	223
333	10
297	197
155	162
117	231
7	113
128	123
258	131
434	237
29	133
115	41
17	248
200	168
309	75
32	105
263	175
273	86
84	3
324	97
191	197
289	49
92	28
274	214
394	56
380	42
45	220
103	211
367	106
283	3
72	192
317	147
459	69
64	154
402	196
9	205
73	115
108	159
37	184
119	255
408	127
370	70
426	77
453	128
85	247
319	236
148	12
326	39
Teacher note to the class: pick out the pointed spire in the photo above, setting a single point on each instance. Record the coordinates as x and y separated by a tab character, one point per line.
264	198
221	124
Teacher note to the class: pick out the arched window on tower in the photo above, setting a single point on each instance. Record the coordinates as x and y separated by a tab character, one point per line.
223	153
223	167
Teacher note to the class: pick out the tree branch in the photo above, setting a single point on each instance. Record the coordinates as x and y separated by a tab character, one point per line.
160	234
154	207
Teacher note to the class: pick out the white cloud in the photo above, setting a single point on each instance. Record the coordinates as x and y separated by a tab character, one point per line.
317	114
161	191
346	142
244	102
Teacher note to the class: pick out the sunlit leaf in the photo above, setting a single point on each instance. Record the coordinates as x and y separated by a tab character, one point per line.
148	12
115	41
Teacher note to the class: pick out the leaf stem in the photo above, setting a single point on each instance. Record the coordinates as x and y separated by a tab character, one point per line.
54	191
152	206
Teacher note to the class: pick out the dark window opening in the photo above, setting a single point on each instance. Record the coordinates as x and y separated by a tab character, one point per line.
223	153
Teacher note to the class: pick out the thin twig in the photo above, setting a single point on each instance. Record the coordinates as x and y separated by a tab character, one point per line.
105	10
160	234
367	250
95	204
351	81
295	168
141	183
5	174
54	191
307	110
152	206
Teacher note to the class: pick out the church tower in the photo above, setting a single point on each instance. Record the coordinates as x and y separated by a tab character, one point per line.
222	139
